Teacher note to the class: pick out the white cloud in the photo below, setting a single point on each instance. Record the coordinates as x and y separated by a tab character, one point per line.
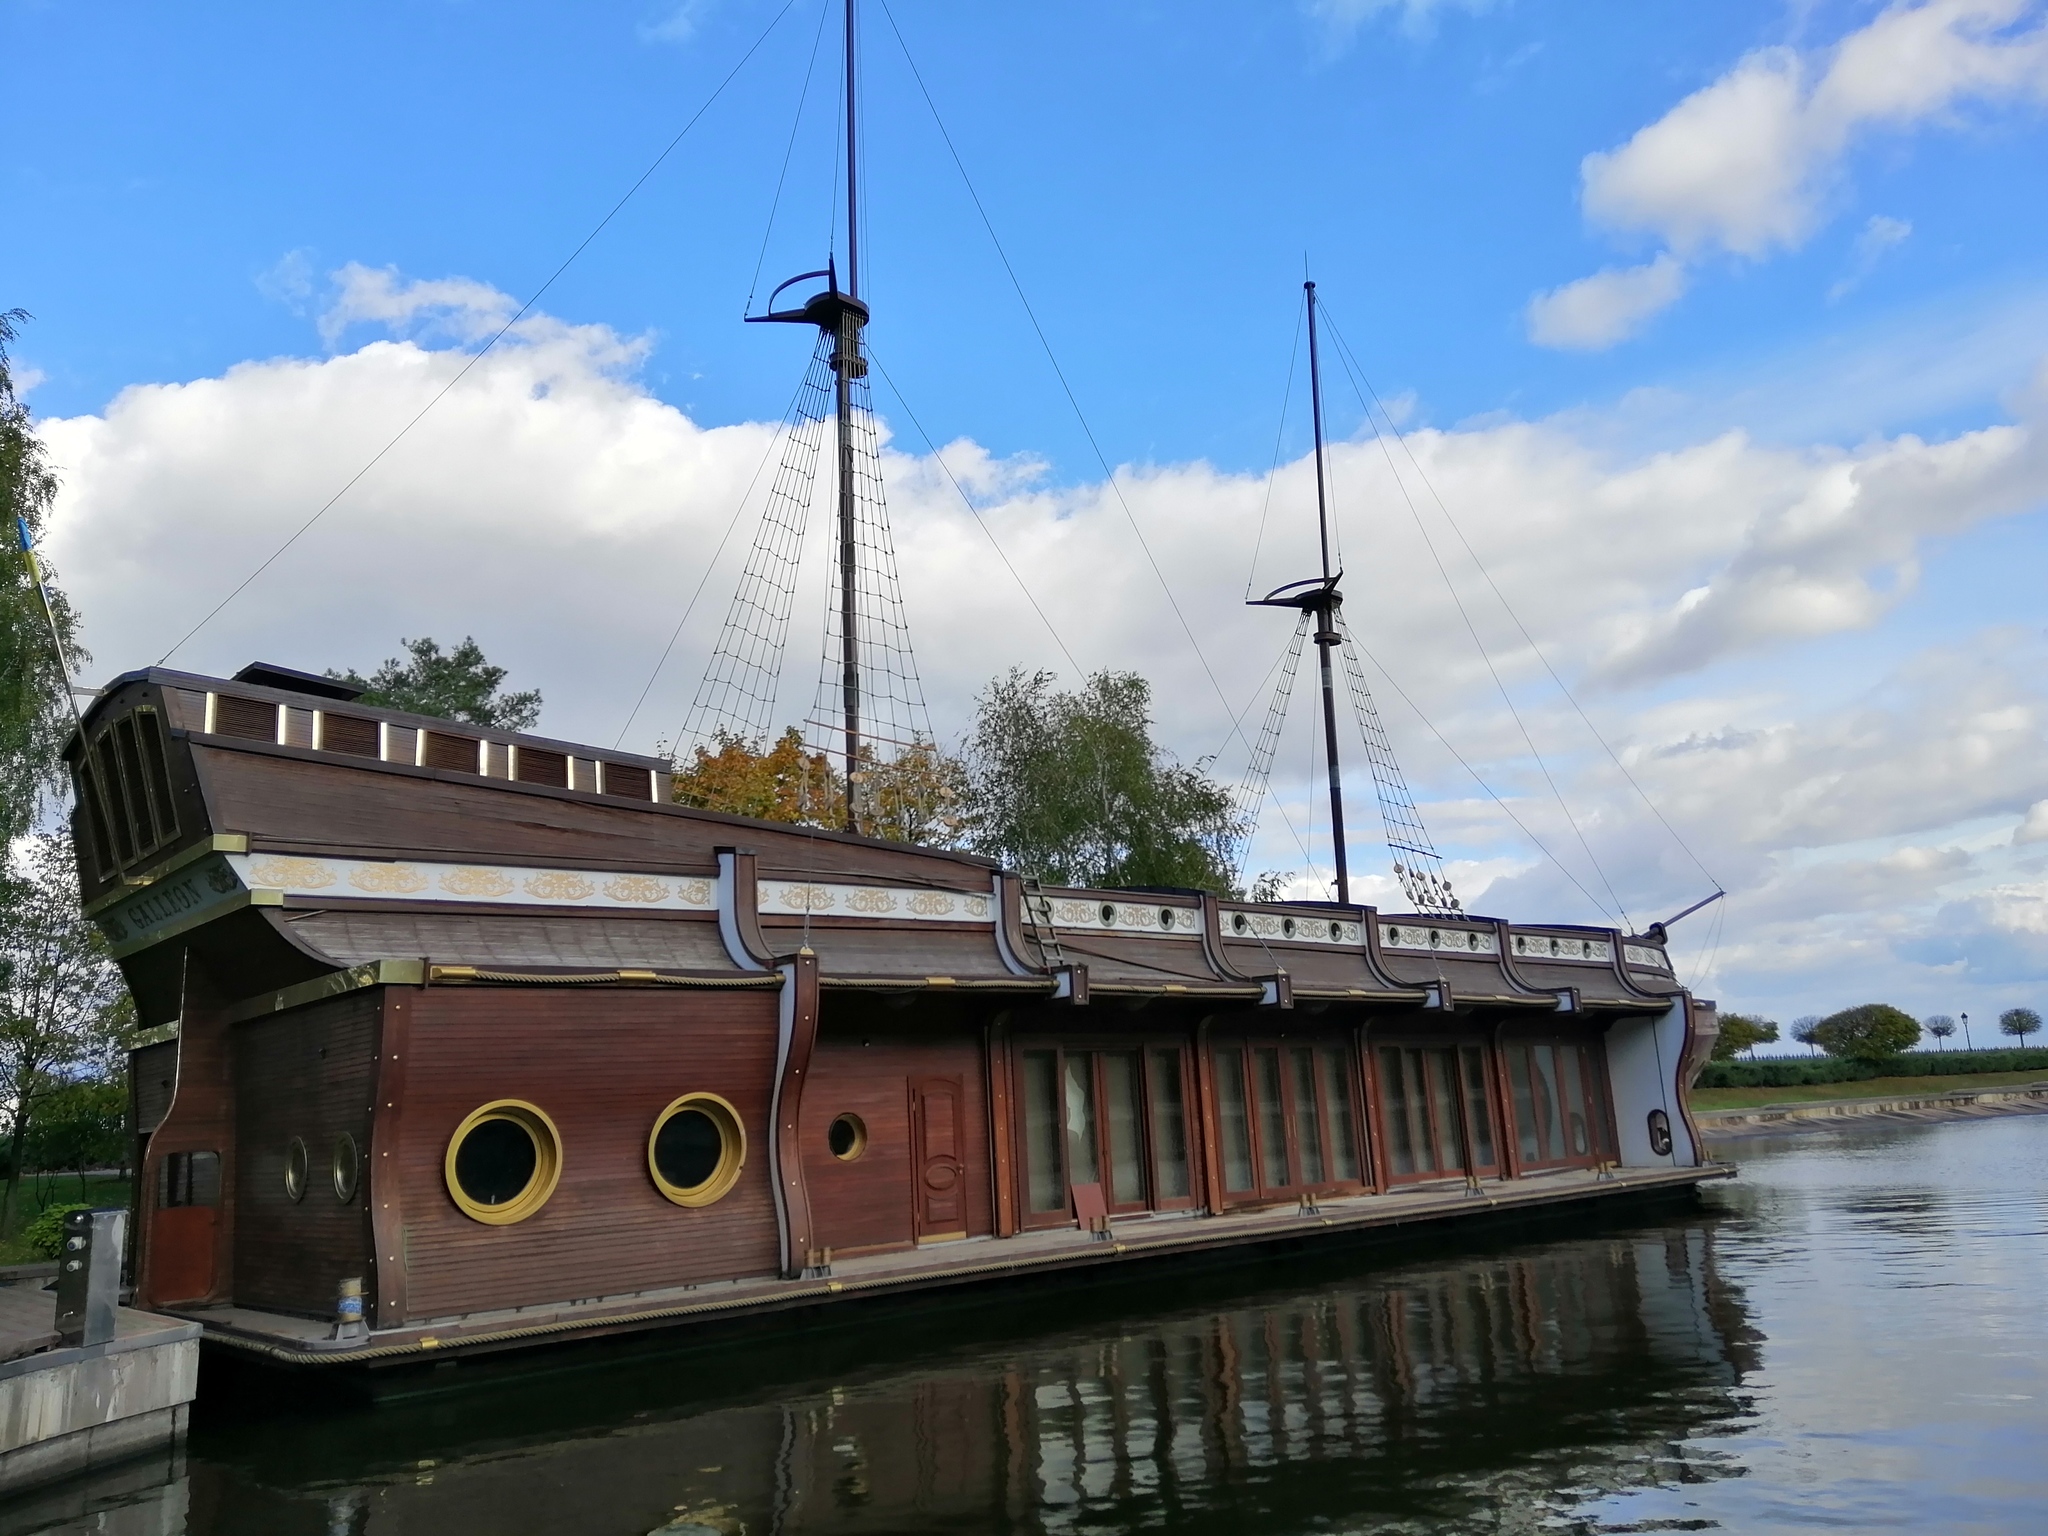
560	513
1881	235
1752	163
1595	312
2033	827
1341	19
678	22
288	281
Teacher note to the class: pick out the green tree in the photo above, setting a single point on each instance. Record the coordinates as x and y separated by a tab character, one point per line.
35	715
2019	1023
460	685
1939	1025
79	1126
1873	1032
64	1013
1803	1028
1070	788
1743	1032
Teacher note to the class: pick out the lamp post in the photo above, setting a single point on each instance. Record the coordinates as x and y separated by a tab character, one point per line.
1966	1033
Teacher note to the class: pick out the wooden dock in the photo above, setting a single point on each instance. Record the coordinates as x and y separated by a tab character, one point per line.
69	1410
940	1267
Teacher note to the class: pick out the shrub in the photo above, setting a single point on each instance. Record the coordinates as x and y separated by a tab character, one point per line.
1873	1032
1798	1071
46	1233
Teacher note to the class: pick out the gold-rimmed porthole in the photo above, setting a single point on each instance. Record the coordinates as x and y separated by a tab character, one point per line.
847	1137
295	1170
503	1162
696	1149
346	1169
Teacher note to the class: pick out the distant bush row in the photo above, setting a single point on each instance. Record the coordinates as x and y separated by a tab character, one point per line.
1798	1071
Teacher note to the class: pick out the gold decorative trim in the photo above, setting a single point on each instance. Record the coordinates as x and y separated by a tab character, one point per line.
732	1152
279	872
640	888
547	1162
921	902
388	879
477	882
559	885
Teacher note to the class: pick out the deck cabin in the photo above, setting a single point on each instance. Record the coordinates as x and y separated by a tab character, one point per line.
484	1024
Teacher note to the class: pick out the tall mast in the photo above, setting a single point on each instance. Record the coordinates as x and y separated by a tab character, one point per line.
1327	600
846	365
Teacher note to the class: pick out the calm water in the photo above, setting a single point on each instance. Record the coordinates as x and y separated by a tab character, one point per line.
1854	1334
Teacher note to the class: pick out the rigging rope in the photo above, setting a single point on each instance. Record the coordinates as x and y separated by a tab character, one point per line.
802	100
1345	358
1417	864
498	336
1251	791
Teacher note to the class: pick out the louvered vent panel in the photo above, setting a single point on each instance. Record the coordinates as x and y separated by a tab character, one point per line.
348	733
626	781
456	753
251	719
537	766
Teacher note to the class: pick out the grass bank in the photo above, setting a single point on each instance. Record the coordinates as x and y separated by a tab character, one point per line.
63	1189
1867	1088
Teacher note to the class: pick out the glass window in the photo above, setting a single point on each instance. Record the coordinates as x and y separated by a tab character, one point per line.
1443	1108
1571	1083
1478	1106
1272	1120
696	1149
1337	1094
1233	1112
1046	1177
1401	1139
1124	1116
1169	1128
1521	1088
1083	1167
1308	1138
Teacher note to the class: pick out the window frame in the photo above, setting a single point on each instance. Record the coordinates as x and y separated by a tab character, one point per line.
1096	1048
1246	1048
1432	1049
1596	1101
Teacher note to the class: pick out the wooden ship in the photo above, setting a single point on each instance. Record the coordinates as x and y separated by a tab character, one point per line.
469	1039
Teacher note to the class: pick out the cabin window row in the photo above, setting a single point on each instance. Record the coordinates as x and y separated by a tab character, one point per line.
1295	1119
124	784
505	1158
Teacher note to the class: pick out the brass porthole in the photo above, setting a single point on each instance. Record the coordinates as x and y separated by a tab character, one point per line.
346	1167
295	1170
847	1137
503	1162
696	1149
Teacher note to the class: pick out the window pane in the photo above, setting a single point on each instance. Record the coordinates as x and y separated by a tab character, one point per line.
1478	1108
1543	1082
1524	1102
1272	1121
1443	1110
1169	1128
1394	1094
159	771
1047	1183
1232	1111
138	792
117	806
1126	1117
1083	1167
1572	1085
1337	1094
1307	1124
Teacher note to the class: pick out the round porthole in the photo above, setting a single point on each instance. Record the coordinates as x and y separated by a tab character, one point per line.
1166	918
1239	923
503	1162
295	1169
1286	927
847	1137
346	1168
1336	932
1109	914
697	1148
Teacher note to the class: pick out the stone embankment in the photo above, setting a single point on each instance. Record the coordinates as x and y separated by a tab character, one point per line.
1903	1109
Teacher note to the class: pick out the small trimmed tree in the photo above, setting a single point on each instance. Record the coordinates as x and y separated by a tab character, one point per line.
1802	1031
1743	1032
1870	1032
2019	1023
1941	1026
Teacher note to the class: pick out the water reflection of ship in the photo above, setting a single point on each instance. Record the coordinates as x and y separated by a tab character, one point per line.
1423	1394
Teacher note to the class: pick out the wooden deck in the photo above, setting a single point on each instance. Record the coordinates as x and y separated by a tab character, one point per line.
940	1266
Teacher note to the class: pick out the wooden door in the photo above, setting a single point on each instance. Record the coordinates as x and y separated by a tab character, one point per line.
938	1192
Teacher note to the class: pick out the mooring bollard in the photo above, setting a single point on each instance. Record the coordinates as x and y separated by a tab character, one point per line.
348	1311
89	1275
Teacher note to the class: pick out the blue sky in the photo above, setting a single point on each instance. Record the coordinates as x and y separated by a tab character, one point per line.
1720	328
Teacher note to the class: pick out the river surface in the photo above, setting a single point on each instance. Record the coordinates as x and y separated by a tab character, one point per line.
1853	1335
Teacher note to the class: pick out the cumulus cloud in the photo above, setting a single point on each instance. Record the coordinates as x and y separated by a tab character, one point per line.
1595	312
1752	163
2033	827
557	510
